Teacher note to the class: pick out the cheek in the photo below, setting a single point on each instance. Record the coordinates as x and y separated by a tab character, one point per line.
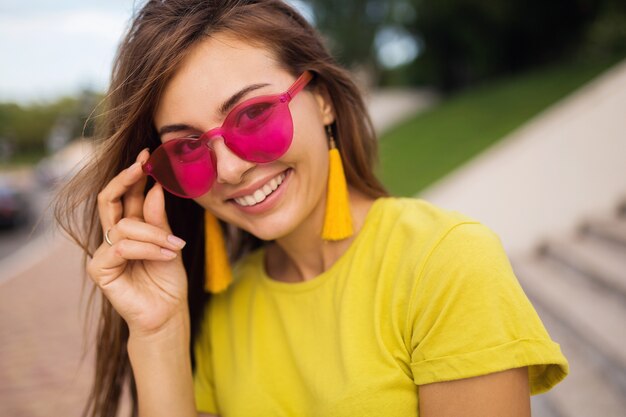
309	155
309	141
212	201
312	177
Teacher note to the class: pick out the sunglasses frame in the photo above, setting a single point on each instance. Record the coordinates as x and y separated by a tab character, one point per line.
223	131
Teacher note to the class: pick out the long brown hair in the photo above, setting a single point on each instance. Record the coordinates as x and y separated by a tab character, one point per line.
161	34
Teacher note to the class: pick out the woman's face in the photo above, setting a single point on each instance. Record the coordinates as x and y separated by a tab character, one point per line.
215	71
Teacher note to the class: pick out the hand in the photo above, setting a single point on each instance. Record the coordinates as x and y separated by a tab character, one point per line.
141	273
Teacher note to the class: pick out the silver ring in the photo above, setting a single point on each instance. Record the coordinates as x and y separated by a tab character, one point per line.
106	237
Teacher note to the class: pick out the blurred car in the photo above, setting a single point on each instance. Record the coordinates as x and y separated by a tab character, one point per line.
15	208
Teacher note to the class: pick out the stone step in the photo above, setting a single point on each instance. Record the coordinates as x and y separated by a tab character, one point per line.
596	317
602	262
586	391
612	230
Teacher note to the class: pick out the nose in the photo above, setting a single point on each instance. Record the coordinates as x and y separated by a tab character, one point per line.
230	167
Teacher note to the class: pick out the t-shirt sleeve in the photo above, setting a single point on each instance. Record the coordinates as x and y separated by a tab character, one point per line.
204	388
468	315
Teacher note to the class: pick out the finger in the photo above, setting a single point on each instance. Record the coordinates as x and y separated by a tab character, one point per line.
133	250
110	198
109	261
133	199
154	208
133	229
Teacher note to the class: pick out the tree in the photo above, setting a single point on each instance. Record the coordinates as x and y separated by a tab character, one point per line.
469	40
28	127
465	41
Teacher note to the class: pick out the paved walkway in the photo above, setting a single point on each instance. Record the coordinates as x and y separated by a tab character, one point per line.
41	326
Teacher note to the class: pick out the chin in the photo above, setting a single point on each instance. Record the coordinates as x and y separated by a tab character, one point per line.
270	230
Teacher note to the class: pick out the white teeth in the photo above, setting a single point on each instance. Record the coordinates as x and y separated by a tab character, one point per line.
259	196
262	193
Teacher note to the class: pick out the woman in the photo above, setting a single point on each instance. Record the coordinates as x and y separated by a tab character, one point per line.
344	301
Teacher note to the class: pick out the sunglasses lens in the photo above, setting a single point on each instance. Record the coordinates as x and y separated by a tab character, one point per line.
261	131
184	167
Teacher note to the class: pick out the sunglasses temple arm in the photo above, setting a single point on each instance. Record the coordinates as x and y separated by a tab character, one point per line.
299	84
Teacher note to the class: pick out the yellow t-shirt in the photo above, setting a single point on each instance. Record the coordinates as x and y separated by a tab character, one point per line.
422	295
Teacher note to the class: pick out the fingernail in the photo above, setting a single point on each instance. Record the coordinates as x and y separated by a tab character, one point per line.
133	167
140	154
168	253
176	241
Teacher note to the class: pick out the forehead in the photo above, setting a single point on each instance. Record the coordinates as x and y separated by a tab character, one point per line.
224	57
215	69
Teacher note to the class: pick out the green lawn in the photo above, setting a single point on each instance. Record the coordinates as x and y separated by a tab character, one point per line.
428	146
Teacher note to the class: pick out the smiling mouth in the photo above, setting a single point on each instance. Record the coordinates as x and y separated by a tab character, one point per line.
259	195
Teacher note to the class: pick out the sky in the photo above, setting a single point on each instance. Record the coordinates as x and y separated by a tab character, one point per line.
54	48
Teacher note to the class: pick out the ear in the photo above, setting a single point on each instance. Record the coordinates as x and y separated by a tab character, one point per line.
325	105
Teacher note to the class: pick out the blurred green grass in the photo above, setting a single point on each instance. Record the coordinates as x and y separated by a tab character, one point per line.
423	149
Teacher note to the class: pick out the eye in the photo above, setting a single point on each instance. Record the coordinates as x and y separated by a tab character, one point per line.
253	115
187	150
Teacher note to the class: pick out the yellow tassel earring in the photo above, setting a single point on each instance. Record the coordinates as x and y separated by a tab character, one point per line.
338	220
218	275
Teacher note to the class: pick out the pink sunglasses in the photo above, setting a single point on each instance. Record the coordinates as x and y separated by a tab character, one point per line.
258	130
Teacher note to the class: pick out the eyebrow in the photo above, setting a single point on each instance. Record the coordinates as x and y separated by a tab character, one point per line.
223	109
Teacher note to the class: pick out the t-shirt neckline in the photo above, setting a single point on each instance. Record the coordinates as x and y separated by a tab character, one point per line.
324	276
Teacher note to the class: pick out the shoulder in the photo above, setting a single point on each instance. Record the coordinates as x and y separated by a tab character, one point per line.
429	249
403	236
417	214
418	227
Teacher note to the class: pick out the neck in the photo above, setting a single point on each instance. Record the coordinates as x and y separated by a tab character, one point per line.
303	254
